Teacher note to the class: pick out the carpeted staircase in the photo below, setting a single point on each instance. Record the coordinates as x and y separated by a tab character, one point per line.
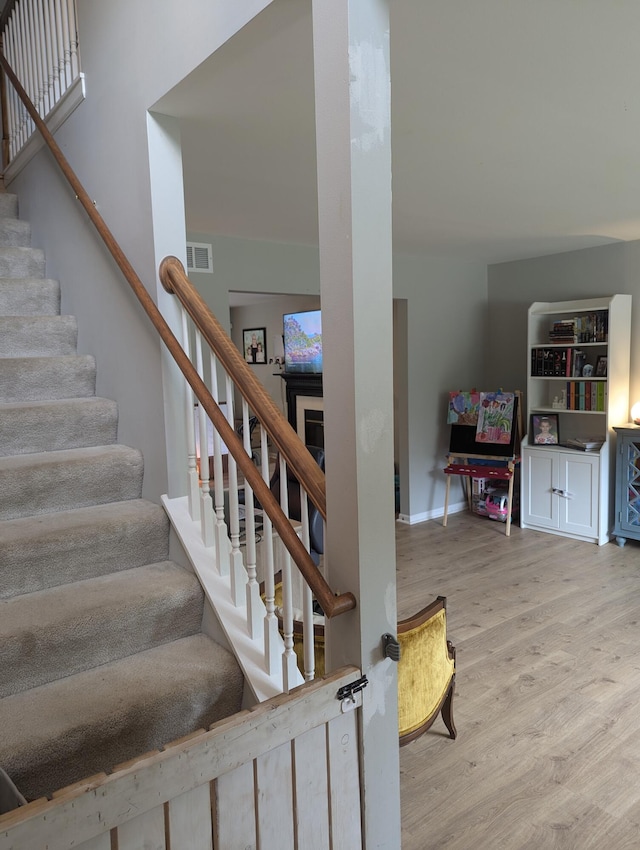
101	652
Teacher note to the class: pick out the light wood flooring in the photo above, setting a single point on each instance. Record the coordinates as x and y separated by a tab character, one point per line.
547	702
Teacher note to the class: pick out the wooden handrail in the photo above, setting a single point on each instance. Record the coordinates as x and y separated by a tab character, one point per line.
303	466
331	604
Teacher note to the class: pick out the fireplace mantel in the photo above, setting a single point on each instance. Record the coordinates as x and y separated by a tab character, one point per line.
299	384
305	407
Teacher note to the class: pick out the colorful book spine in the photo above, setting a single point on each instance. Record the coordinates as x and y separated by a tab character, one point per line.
581	396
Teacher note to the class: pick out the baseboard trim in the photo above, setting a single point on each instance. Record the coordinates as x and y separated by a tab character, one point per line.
413	519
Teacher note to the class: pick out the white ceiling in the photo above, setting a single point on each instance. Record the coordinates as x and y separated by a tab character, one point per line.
515	127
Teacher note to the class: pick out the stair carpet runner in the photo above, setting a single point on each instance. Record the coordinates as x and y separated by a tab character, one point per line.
102	657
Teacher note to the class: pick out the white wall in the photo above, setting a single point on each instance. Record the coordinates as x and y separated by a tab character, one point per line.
591	272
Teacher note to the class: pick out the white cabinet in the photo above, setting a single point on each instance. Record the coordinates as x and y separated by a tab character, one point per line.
578	380
561	493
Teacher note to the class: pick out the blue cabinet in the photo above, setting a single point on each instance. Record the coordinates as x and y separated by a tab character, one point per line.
627	513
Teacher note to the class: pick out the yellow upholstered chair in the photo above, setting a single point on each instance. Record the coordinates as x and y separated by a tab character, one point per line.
426	672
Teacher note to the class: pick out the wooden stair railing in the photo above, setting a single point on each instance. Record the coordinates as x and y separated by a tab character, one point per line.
311	478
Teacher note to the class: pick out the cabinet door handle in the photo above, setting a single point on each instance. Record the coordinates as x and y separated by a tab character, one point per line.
564	493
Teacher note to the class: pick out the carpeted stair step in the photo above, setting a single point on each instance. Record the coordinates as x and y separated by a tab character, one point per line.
57	632
29	296
60	733
21	262
8	205
14	233
67	546
74	478
38	378
37	336
38	426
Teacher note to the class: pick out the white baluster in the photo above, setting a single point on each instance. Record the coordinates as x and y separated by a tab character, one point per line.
254	607
41	60
26	73
10	51
289	661
308	638
52	53
236	565
220	530
33	56
62	80
271	634
193	490
206	505
66	41
73	39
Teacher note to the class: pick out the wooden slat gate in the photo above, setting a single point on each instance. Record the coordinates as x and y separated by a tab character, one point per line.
282	775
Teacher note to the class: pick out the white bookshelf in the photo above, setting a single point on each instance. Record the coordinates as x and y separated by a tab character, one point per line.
567	491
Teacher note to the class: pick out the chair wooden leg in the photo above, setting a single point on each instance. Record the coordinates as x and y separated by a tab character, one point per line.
447	711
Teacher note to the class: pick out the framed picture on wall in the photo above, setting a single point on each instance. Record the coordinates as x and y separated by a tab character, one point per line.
254	341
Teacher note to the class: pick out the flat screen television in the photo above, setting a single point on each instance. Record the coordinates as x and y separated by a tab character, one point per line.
303	342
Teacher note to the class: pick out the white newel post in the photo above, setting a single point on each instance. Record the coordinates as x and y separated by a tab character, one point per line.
353	142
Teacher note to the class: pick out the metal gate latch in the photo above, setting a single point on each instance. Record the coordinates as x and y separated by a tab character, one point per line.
347	693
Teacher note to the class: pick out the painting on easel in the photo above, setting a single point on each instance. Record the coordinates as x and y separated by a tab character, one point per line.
495	418
463	408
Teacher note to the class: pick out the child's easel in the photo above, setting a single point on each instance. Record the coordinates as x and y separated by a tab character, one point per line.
463	449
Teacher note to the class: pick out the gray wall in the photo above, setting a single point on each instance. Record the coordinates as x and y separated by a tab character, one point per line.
446	350
591	272
445	344
268	314
106	142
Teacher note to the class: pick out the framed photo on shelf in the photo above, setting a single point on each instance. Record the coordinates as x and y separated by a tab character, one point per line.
254	342
601	367
545	429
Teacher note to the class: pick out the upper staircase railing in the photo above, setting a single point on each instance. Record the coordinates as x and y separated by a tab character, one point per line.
39	40
220	535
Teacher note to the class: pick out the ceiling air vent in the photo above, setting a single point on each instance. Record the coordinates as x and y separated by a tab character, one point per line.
199	257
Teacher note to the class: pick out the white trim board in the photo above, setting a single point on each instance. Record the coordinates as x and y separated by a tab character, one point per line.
70	100
413	519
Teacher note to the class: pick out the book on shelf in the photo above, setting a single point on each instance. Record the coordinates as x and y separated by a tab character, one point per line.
585	444
586	395
590	327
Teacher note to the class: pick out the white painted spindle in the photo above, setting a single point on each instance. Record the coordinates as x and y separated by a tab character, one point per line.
271	635
220	529
289	661
193	492
236	565
254	607
206	505
308	638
